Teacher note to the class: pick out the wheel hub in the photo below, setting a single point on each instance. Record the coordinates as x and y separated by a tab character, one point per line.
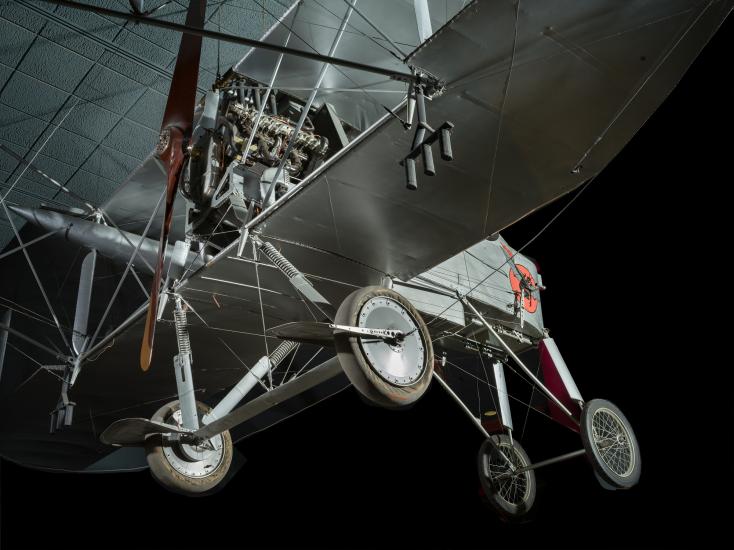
612	441
399	362
194	460
512	488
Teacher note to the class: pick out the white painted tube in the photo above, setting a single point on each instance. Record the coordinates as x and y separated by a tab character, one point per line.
504	397
423	19
239	391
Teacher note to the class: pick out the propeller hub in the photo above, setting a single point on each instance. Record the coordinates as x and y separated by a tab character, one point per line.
164	141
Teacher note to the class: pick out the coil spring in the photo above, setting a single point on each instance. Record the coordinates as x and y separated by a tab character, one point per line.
182	334
279	260
281	352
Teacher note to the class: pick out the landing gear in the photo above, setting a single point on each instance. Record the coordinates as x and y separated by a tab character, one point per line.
610	444
389	373
191	470
511	494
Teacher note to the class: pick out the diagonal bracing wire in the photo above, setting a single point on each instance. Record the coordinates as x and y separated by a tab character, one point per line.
375	27
307	363
93	210
629	101
528	405
519	250
29	243
304	113
29	165
501	114
244	365
308	44
290	364
41	367
20	240
124	274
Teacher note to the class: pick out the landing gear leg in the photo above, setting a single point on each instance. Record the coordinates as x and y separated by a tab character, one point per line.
501	463
186	468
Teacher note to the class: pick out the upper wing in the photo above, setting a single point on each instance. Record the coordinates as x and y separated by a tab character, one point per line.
357	97
542	96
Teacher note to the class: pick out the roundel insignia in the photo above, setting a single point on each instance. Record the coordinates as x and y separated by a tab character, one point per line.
529	302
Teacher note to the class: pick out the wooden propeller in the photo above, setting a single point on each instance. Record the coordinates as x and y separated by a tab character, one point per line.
175	131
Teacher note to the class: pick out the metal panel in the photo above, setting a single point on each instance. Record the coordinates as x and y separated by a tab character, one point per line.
564	107
314	28
482	273
433	303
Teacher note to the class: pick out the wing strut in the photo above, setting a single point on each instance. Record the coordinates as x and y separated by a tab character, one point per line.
309	102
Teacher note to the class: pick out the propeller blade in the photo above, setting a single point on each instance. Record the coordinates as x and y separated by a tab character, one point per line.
175	131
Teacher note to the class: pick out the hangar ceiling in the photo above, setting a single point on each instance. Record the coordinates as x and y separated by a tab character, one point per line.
82	96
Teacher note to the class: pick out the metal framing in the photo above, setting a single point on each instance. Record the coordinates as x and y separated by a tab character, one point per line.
309	102
463	406
517	360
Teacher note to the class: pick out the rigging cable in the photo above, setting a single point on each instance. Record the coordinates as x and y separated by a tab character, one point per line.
335	67
519	250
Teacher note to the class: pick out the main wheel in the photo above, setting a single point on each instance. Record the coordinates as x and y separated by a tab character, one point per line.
512	495
191	470
610	444
389	374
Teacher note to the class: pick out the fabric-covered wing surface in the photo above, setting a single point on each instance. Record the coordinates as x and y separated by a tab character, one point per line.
314	25
533	92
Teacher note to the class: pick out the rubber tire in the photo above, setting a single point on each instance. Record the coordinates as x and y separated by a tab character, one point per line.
167	476
370	384
603	472
507	511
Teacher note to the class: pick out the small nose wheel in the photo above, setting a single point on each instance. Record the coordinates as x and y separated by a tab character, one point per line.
187	469
389	373
610	444
512	494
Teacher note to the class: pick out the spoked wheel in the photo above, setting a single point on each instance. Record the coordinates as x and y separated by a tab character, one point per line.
512	495
390	374
191	470
610	444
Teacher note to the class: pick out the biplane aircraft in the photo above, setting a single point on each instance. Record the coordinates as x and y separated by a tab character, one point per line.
326	213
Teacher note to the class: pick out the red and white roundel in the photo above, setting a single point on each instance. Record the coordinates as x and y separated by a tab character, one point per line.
529	302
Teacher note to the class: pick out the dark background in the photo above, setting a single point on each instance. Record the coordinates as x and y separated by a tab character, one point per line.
639	301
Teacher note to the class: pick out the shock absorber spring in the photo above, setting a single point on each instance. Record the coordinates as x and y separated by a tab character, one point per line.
281	352
279	260
182	333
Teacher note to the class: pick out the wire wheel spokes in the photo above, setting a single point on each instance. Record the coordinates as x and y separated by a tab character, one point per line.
512	488
613	442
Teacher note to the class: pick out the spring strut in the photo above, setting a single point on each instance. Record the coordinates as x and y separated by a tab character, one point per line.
182	333
281	352
279	260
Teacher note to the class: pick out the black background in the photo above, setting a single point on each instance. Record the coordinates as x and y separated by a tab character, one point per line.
639	280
